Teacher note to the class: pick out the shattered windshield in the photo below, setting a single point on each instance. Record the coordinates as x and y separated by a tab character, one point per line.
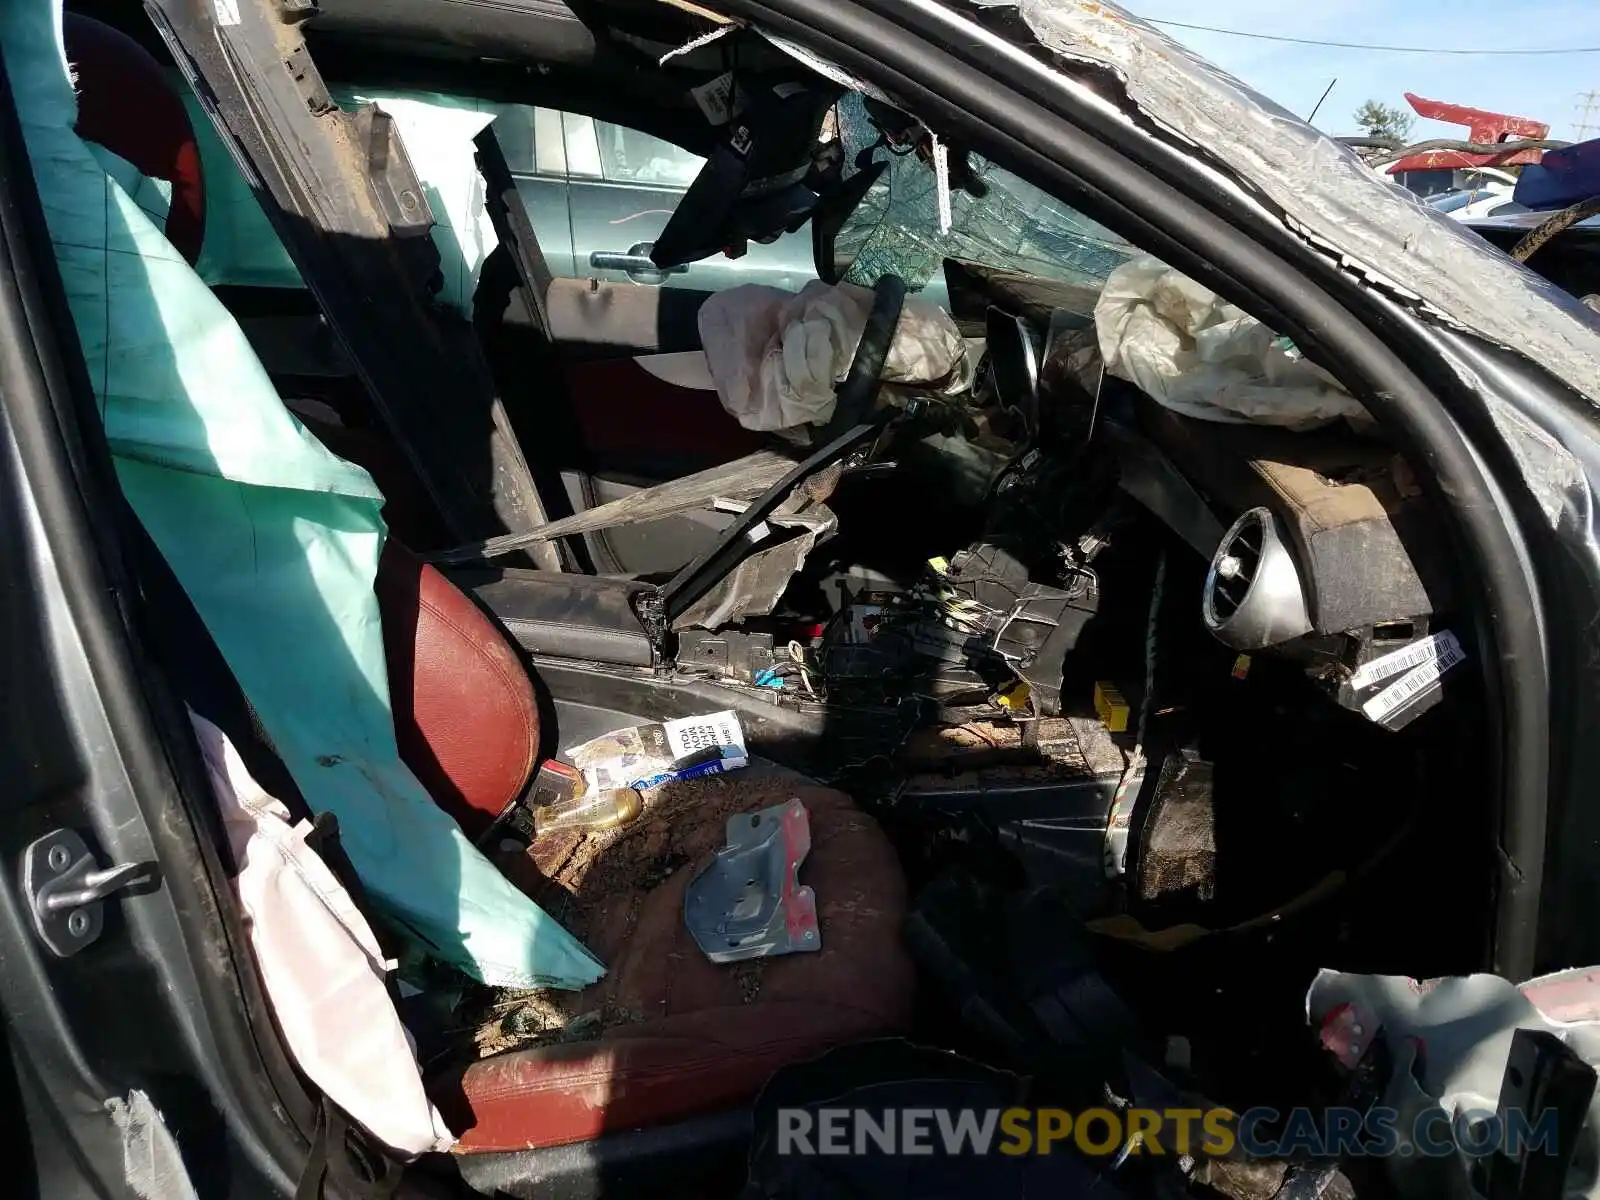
1012	225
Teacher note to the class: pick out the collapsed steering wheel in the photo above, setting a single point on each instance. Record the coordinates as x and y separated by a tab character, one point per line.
857	394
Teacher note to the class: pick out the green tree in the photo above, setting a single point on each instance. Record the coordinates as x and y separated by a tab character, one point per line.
1380	120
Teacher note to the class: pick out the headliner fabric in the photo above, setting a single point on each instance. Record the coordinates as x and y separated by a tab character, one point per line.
274	539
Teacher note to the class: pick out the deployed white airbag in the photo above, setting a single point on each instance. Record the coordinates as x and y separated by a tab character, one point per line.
1190	349
320	962
776	355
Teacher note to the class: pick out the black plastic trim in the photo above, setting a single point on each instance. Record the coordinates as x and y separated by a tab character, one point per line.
703	1152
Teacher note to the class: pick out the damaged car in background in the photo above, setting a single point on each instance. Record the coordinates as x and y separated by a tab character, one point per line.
1095	637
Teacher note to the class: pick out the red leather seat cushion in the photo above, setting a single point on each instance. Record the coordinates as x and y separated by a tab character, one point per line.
465	716
685	1035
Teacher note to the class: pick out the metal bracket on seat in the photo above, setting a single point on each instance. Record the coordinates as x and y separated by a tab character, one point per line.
66	889
748	902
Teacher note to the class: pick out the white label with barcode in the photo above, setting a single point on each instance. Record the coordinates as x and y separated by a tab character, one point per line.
688	735
716	99
1418	681
1428	649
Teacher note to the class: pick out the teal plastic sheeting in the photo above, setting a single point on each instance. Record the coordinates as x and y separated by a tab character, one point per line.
274	539
241	246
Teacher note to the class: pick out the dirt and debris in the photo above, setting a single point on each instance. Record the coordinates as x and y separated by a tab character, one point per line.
1053	747
593	882
522	1018
1001	753
1180	840
748	973
589	879
943	742
1243	1179
513	1017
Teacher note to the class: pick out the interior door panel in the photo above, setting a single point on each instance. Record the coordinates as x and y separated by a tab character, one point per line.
639	427
590	319
634	422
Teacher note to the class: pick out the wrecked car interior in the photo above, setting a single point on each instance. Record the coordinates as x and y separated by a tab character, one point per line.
993	638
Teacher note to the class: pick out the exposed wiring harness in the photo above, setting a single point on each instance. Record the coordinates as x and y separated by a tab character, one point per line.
1119	821
1535	239
1394	151
795	665
797	655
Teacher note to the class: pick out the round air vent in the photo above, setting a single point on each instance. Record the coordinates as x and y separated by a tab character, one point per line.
1253	596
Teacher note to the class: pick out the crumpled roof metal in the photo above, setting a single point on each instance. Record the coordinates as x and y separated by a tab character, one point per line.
1322	188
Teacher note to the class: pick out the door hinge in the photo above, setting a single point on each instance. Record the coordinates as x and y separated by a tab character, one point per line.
66	889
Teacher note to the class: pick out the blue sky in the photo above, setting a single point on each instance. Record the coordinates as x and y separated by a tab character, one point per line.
1545	87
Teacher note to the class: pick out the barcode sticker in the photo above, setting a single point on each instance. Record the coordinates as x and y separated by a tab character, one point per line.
1421	678
1396	662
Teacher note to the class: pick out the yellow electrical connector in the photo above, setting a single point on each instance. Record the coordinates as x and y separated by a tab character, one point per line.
1113	709
1014	696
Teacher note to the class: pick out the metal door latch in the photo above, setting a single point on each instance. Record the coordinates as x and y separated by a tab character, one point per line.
66	888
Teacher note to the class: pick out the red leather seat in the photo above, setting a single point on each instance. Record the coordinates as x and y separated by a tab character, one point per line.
683	1035
127	105
679	1034
465	718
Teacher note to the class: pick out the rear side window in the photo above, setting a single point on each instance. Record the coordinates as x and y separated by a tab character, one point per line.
544	141
532	139
630	156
